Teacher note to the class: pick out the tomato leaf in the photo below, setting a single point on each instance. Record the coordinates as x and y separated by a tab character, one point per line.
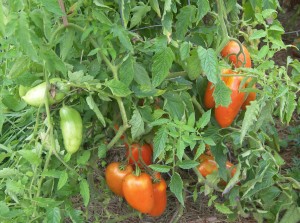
249	119
63	179
160	168
155	6
222	94
184	19
75	215
184	50
53	215
124	39
162	62
160	140
66	43
290	106
84	157
193	66
204	120
140	75
187	164
258	34
200	150
137	124
126	71
91	103
118	88
85	191
292	215
31	156
203	9
176	187
139	12
209	64
223	209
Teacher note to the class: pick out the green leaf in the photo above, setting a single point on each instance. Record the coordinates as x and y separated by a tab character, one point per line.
118	88
265	115
140	75
155	6
184	50
184	20
193	66
20	66
84	157
24	38
203	9
2	25
162	62
160	140
137	124
101	17
200	150
4	209
139	12
52	6
63	179
204	120
8	172
93	106
180	147
167	18
223	209
209	63
123	37
79	77
249	119
85	191
176	187
160	168
258	34
53	62
174	105
53	215
292	215
222	94
291	105
30	156
46	202
66	43
75	215
126	71
187	164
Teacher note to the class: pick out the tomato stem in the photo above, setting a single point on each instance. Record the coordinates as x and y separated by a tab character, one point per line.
198	106
225	38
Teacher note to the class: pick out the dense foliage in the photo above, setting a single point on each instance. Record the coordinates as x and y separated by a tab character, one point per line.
143	66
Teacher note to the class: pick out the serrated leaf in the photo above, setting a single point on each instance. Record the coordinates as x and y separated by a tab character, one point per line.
180	147
160	168
200	150
249	119
126	71
137	124
46	202
191	120
204	120
24	38
291	105
184	19
184	50
223	209
30	156
85	191
52	6
139	12
209	63
122	34
292	215
63	179
20	66
162	62
53	62
167	20
2	25
66	43
155	6
75	215
8	172
258	34
140	75
53	215
118	88
160	122
174	105
193	66
101	17
176	187
84	158
203	9
222	94
160	140
93	106
187	164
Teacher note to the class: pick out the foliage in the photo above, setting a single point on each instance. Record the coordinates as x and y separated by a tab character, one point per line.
112	55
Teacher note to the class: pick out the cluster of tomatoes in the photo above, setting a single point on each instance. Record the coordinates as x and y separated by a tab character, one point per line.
239	56
145	192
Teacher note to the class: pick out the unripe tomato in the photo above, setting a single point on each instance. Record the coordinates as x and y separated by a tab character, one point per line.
138	192
36	95
226	115
71	128
114	176
232	49
23	90
160	197
146	153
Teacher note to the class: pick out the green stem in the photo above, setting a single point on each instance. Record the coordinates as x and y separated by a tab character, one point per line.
198	106
177	74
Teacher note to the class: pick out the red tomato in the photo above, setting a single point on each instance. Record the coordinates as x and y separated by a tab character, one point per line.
233	52
160	197
146	153
138	192
251	97
209	100
204	157
114	177
226	115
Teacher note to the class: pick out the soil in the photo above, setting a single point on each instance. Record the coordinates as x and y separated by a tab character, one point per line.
115	209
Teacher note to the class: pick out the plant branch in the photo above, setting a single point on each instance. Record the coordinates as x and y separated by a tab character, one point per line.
64	17
198	106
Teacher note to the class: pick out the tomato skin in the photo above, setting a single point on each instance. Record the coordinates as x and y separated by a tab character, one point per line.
209	101
71	128
226	115
207	167
114	177
160	197
146	153
232	49
138	192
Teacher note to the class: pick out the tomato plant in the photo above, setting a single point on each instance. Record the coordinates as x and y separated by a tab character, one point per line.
115	174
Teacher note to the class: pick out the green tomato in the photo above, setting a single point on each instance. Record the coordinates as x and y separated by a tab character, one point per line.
23	90
71	128
36	95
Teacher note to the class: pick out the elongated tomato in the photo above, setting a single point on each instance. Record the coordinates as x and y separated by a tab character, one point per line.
160	197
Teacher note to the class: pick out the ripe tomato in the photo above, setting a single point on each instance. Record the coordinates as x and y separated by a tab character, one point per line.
114	176
204	157
160	197
251	97
232	49
209	100
226	115
138	192
208	166
146	152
